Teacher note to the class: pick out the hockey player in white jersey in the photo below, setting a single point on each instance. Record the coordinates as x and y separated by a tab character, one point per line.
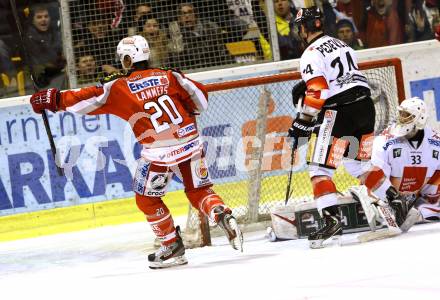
406	165
337	115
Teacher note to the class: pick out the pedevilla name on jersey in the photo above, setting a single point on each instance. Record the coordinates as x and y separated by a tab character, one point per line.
330	45
149	88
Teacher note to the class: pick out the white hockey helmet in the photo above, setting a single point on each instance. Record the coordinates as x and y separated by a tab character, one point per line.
412	117
136	47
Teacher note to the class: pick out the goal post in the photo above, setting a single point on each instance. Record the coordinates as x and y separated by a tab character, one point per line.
247	149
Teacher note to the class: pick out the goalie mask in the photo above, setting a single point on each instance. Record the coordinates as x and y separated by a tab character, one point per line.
411	118
133	49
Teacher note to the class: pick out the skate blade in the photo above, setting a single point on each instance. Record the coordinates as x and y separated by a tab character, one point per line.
237	242
316	244
172	262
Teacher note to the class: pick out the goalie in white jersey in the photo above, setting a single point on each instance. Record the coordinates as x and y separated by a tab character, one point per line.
406	166
337	115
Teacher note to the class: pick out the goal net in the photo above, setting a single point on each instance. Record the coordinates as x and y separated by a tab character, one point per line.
248	154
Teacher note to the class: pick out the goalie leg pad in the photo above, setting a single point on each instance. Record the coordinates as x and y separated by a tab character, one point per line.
284	223
360	194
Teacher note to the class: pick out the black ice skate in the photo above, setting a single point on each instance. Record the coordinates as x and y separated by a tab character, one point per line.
169	256
229	225
332	227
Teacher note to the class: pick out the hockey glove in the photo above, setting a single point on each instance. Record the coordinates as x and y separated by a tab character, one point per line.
45	99
298	92
301	128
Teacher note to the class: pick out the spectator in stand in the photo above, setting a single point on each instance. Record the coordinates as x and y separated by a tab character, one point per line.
352	9
432	9
87	70
140	11
233	17
44	46
150	29
195	43
289	42
383	25
6	65
418	27
101	40
345	32
329	16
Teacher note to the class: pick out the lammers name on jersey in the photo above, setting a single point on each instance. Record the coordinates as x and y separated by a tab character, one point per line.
335	61
146	88
408	167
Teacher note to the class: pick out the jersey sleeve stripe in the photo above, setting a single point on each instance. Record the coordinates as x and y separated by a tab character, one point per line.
88	105
193	91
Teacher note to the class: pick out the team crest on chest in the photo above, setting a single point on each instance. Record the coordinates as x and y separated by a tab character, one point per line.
397	152
435	154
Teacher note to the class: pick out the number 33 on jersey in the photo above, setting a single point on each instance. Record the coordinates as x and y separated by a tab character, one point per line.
409	167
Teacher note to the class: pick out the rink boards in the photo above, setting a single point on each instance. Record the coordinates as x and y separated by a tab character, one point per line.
35	201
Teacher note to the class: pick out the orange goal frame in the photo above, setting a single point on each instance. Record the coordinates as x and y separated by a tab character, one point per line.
286	76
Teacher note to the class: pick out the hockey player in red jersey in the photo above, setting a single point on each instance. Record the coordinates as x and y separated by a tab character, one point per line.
160	106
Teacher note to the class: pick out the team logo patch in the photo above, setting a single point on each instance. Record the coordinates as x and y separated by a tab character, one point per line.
202	170
147	83
187	129
397	152
200	174
159	182
139	182
435	154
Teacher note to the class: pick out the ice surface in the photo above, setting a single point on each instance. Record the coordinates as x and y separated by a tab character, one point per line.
110	263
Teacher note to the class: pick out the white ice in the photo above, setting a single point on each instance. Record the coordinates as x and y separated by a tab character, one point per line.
110	263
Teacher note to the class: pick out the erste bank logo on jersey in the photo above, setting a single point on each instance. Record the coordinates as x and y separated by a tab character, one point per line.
149	87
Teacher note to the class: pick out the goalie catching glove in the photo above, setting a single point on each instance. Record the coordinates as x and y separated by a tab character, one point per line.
45	99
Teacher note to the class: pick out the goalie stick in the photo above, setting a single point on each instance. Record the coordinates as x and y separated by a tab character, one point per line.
373	210
31	71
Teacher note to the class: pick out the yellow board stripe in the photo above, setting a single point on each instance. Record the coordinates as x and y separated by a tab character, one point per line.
81	217
122	211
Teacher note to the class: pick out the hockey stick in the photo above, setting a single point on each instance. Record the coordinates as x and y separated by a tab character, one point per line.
289	180
292	158
31	71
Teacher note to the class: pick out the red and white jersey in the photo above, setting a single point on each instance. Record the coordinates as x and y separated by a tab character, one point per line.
409	169
158	104
333	60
